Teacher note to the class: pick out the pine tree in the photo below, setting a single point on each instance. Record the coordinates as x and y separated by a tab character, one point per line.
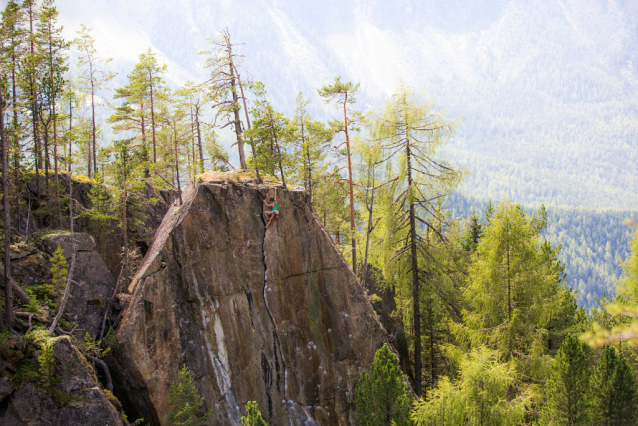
567	390
132	115
343	94
270	130
613	390
59	268
253	415
383	397
151	76
187	404
194	100
30	78
311	138
474	233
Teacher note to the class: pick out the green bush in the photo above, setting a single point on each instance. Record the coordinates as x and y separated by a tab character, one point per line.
253	415
187	404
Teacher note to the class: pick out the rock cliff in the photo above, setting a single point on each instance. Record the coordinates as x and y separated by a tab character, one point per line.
270	315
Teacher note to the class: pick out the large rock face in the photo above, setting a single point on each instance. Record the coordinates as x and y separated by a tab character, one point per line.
274	315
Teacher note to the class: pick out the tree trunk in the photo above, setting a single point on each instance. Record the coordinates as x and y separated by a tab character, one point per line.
199	140
364	268
509	302
36	145
34	109
243	97
237	122
179	186
416	291
16	142
8	294
93	123
194	170
308	164
70	137
351	189
46	156
150	72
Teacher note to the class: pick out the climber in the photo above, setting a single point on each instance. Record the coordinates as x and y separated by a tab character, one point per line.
275	210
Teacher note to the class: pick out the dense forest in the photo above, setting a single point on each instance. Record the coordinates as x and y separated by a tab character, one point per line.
506	312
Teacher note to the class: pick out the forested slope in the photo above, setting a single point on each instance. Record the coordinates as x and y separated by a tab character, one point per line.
593	243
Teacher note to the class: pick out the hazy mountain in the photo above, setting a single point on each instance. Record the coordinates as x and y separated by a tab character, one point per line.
547	89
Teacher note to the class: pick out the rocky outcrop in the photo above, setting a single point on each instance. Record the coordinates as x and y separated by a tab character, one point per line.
93	283
274	315
74	399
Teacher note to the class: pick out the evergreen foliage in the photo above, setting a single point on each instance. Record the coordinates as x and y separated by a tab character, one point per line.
613	390
383	397
59	268
186	402
253	415
567	389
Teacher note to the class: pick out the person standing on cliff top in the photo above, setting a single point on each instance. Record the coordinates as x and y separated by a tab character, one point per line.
275	210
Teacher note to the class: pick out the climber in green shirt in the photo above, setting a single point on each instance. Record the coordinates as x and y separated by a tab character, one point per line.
275	210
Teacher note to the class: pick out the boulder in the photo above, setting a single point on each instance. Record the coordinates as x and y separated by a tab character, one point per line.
79	399
274	316
83	242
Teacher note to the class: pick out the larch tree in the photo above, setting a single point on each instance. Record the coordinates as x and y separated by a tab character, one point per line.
343	94
511	293
224	88
409	132
479	396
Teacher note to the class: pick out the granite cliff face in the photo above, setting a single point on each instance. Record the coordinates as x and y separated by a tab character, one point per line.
270	315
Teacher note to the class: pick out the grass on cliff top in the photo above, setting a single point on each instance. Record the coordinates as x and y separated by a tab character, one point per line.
239	176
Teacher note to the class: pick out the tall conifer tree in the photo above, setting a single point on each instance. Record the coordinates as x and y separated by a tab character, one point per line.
343	94
410	132
94	79
567	390
613	390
